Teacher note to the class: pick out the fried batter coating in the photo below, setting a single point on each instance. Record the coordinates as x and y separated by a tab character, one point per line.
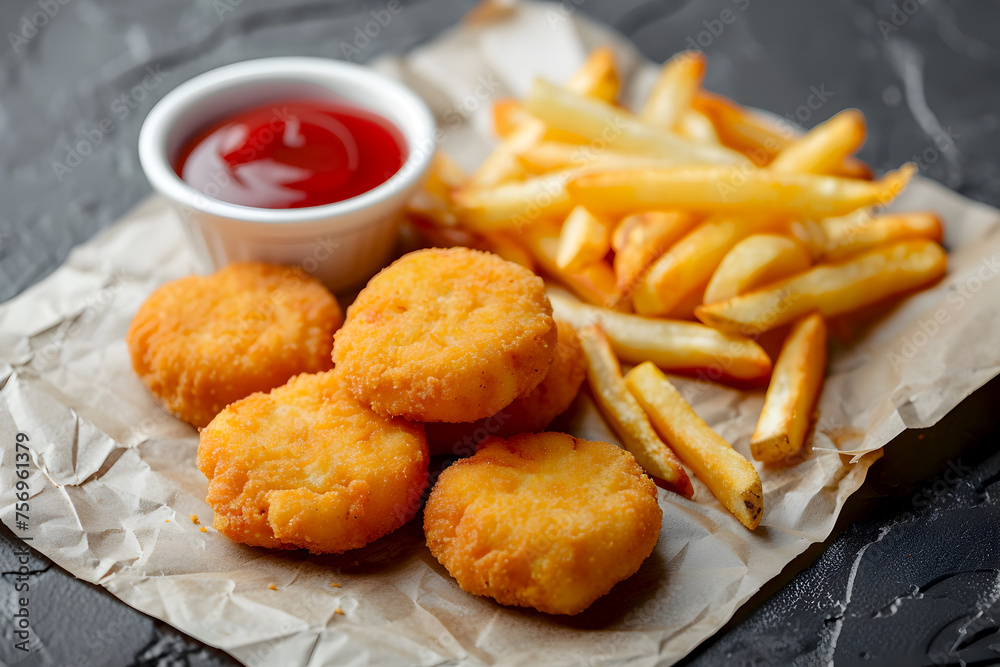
529	413
449	335
543	520
202	342
308	466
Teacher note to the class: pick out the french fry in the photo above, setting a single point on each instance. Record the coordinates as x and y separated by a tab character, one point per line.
627	419
597	77
724	189
593	119
696	126
688	265
730	477
548	155
584	240
515	204
434	201
509	247
672	278
810	234
758	137
852	167
640	239
792	393
826	146
850	235
503	164
675	87
684	310
686	347
755	261
508	115
594	283
831	289
740	129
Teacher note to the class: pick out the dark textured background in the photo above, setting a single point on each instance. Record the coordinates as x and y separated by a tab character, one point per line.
912	572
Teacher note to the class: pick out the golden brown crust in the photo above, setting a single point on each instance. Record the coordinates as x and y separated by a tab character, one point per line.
529	413
543	520
202	342
449	335
307	466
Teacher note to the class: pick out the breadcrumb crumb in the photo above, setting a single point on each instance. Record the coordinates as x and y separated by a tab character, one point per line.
272	587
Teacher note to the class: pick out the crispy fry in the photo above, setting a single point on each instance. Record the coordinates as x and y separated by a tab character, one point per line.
831	289
730	477
752	134
508	115
684	310
756	260
548	155
597	77
640	239
849	235
584	240
688	265
591	119
758	137
679	80
852	167
674	277
620	408
810	234
433	202
515	204
791	396
725	189
686	347
696	126
502	164
509	247
594	284
825	147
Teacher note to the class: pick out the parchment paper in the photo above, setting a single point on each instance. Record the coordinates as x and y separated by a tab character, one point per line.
113	477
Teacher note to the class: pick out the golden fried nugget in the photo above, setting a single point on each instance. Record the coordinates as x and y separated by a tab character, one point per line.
529	413
447	335
202	342
308	466
543	520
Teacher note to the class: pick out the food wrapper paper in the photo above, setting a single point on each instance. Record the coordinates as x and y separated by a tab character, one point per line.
113	480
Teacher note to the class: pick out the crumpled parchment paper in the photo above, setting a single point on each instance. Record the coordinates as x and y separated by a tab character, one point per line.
113	478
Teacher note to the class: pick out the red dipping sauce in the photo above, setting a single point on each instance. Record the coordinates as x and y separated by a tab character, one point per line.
293	154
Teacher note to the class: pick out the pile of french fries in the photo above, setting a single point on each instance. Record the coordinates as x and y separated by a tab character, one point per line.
684	232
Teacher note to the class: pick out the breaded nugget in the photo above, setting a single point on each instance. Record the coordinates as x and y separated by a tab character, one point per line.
308	466
543	520
529	413
449	335
202	342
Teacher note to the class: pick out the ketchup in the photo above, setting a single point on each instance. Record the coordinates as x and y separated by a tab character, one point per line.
292	155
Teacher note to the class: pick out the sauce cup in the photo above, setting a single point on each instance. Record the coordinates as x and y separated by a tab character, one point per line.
343	243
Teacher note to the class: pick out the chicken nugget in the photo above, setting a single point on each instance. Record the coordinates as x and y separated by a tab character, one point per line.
529	413
543	520
447	335
308	466
202	342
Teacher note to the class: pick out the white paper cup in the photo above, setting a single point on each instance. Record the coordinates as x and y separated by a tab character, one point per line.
343	243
